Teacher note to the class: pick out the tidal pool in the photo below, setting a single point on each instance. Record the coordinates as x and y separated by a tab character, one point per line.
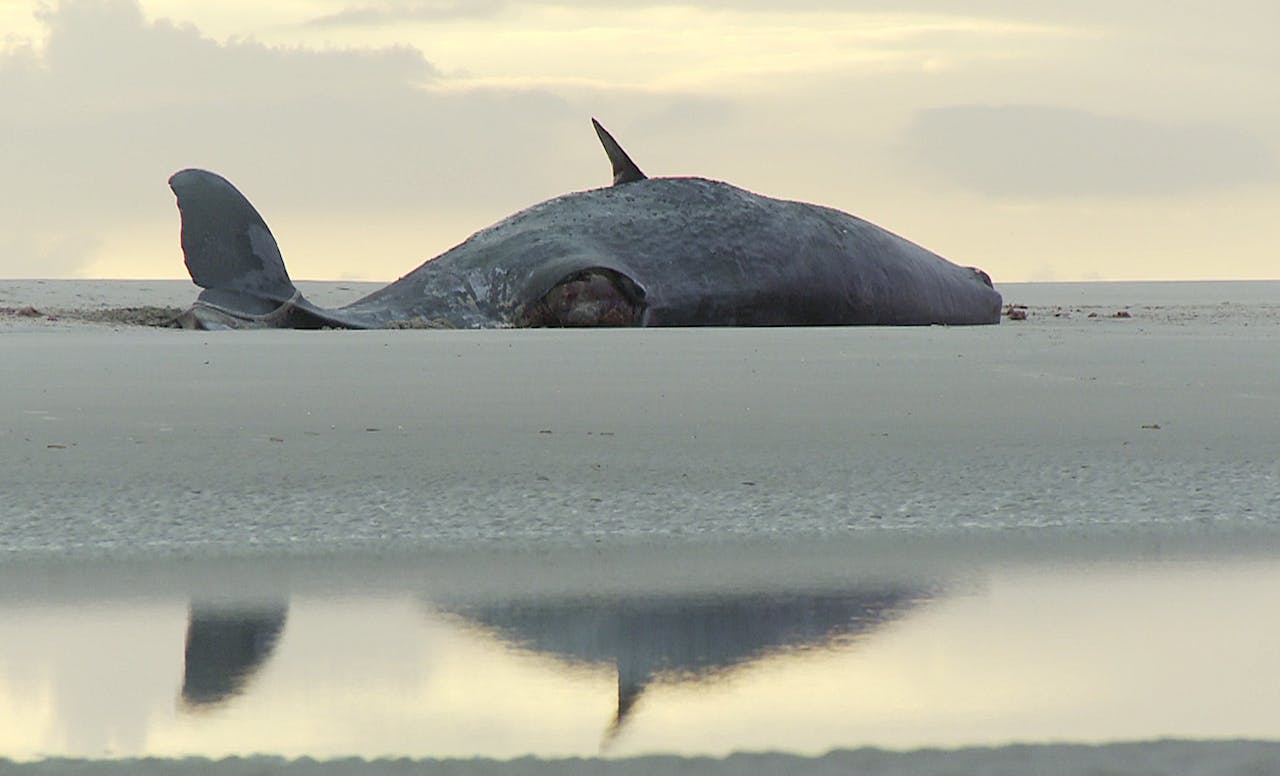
688	650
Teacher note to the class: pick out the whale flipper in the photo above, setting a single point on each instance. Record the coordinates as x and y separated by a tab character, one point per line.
624	170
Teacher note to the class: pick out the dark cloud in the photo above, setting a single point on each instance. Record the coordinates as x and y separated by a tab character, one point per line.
1034	151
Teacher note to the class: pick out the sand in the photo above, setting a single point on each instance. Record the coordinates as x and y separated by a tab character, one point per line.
1118	420
285	439
1166	757
68	304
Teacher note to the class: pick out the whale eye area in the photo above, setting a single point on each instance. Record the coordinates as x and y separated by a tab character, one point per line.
592	297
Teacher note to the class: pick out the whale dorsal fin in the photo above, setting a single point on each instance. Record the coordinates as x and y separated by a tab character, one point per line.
624	170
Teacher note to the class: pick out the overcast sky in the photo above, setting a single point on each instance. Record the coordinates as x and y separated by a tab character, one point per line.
1038	139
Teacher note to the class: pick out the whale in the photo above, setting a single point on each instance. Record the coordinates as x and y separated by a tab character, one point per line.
661	251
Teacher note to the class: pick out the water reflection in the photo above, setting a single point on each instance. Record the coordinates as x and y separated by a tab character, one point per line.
645	639
513	655
687	638
225	647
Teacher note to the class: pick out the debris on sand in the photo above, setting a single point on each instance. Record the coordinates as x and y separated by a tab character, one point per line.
1016	312
145	315
420	323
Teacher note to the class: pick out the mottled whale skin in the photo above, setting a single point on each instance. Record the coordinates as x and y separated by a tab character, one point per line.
642	252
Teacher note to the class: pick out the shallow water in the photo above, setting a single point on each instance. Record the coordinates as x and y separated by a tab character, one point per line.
649	650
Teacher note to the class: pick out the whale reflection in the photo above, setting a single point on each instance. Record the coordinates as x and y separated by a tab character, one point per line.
687	638
645	638
225	648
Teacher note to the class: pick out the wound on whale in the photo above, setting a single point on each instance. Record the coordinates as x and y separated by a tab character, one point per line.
644	251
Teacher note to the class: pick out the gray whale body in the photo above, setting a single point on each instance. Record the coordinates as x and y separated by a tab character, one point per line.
643	252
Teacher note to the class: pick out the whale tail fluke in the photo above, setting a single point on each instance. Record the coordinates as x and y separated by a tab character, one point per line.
231	253
225	243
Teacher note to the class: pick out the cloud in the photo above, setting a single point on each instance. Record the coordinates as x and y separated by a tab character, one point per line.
1099	10
1020	151
390	12
355	139
382	148
97	120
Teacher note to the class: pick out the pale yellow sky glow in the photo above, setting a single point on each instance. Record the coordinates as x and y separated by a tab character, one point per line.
680	48
1038	140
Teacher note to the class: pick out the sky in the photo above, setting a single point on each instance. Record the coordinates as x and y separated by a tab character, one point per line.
1037	139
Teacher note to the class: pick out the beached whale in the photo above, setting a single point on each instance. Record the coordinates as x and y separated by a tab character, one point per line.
642	252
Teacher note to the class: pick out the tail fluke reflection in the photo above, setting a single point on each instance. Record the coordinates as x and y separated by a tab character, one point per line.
225	647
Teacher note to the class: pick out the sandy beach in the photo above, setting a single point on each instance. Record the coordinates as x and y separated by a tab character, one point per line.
289	439
498	479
